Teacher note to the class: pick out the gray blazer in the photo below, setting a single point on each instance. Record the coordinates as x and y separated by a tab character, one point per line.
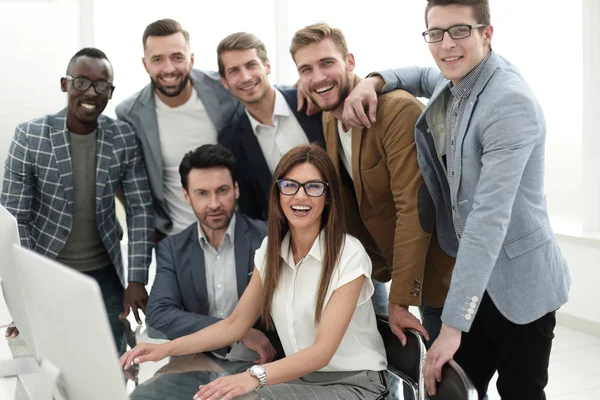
178	303
38	190
139	111
507	247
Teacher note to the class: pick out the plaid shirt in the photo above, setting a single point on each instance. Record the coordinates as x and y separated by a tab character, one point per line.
38	190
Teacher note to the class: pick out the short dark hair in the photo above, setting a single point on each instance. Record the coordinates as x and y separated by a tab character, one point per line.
206	156
87	52
164	27
481	9
240	41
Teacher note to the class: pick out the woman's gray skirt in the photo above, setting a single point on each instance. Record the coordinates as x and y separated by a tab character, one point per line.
371	385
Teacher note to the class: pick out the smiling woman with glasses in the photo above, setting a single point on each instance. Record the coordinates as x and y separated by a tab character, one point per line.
312	282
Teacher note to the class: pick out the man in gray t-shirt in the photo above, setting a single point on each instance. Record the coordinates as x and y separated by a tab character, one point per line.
60	179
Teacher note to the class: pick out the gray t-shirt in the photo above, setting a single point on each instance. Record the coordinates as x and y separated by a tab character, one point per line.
84	250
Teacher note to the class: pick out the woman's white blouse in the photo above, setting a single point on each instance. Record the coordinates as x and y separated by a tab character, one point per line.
294	302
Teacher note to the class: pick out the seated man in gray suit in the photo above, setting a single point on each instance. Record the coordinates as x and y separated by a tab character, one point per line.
203	270
480	144
179	110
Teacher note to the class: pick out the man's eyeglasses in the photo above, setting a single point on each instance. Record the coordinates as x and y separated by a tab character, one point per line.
461	31
81	83
290	187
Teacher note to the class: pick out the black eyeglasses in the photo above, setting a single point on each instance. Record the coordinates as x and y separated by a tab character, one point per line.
81	83
461	31
290	187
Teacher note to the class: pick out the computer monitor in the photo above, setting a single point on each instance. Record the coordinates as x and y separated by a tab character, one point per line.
71	327
13	296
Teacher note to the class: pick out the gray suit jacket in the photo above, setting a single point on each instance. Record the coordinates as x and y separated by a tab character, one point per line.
139	111
507	247
178	303
38	190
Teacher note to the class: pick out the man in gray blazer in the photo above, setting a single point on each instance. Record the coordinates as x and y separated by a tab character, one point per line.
203	271
179	110
60	178
480	144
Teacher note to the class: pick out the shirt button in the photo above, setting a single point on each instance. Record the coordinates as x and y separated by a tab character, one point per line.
218	257
219	286
220	314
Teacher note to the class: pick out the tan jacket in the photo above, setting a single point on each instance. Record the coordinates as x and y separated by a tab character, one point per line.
393	214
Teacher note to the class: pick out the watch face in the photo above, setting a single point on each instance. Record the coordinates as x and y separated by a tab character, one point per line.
257	369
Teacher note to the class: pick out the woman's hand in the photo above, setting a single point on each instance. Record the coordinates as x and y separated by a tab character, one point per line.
144	352
227	387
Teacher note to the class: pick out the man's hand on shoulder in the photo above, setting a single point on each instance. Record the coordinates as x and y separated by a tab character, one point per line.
257	341
362	100
136	298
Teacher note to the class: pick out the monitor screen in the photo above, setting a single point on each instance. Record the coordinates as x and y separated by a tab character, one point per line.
71	327
15	302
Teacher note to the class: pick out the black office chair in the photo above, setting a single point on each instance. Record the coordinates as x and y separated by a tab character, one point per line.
455	384
406	362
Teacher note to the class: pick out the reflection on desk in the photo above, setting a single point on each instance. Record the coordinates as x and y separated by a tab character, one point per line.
181	377
175	378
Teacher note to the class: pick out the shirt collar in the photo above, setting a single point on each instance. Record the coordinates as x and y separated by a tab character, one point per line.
316	250
229	233
464	87
281	108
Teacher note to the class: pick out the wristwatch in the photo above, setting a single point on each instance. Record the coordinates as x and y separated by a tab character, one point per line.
259	373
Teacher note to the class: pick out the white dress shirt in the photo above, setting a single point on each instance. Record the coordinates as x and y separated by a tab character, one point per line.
346	147
181	129
221	285
294	302
277	140
221	281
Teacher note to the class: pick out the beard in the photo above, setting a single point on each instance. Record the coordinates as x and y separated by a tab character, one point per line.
344	92
171	92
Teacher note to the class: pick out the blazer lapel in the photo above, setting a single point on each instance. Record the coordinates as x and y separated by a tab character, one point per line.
243	267
257	165
149	123
104	152
194	260
209	98
357	135
486	73
61	147
332	142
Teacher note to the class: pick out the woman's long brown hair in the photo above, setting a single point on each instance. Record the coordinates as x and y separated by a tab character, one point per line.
332	226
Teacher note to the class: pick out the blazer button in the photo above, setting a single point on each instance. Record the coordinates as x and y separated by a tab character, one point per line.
65	232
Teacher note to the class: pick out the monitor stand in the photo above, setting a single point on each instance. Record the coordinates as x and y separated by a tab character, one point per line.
18	366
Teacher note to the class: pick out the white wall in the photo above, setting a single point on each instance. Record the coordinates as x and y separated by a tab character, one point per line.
583	256
35	52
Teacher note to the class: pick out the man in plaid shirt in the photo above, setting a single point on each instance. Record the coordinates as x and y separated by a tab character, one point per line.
60	179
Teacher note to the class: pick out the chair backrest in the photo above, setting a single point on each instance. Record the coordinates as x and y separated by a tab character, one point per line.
405	361
455	384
